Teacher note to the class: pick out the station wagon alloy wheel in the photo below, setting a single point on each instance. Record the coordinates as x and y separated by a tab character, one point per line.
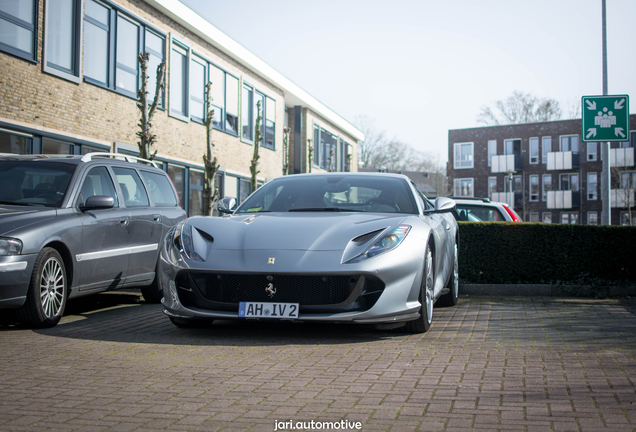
52	287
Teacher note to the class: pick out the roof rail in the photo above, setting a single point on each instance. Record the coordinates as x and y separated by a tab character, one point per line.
89	156
486	200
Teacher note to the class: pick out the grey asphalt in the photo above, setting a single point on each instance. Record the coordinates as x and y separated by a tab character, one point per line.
115	363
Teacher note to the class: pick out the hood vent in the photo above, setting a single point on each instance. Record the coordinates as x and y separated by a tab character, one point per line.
366	237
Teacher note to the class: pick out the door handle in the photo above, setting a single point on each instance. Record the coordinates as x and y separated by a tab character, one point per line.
447	227
156	217
123	221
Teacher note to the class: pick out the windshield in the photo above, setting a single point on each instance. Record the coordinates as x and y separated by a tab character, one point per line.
478	213
348	193
34	183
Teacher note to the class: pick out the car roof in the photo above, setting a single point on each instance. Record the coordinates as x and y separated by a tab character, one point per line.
356	174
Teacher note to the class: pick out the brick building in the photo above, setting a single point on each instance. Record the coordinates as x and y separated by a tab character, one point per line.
543	170
69	77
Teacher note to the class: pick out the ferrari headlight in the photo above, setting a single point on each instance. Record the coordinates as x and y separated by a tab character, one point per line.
10	246
188	243
387	243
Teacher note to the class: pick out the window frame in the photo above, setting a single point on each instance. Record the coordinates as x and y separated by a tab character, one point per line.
544	191
457	162
590	213
569	137
546	147
31	27
246	110
592	196
143	26
194	58
534	140
75	74
459	181
491	179
533	197
594	155
543	217
184	116
491	150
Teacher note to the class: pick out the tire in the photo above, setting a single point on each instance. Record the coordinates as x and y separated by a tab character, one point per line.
450	298
153	293
48	290
190	323
423	323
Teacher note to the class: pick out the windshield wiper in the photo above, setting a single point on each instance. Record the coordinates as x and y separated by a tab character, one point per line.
13	203
323	209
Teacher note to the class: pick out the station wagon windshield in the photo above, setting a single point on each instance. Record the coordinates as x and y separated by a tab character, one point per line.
36	183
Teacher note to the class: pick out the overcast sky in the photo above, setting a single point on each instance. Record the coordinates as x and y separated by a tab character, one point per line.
420	68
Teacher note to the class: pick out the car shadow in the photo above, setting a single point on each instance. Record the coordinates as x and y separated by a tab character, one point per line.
123	316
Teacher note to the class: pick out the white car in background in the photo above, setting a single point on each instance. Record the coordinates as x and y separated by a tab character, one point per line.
484	210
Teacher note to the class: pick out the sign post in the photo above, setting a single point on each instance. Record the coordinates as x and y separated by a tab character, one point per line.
605	119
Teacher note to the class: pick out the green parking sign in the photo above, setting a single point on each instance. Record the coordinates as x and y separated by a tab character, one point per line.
605	118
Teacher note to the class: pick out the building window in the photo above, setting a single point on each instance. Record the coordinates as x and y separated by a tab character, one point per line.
15	143
244	189
513	184
179	81
546	186
592	181
592	218
547	217
509	146
534	150
546	147
569	143
327	150
62	36
112	43
18	30
492	150
534	188
155	46
625	219
628	180
534	217
570	218
464	187
177	175
630	143
224	94
592	151
195	202
463	155
231	104
316	147
269	123
569	182
492	186
197	89
247	113
51	146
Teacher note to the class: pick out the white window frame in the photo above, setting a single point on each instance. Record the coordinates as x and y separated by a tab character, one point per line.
458	163
546	144
536	141
459	181
491	179
591	157
492	150
186	83
570	136
595	215
546	215
595	192
544	192
530	194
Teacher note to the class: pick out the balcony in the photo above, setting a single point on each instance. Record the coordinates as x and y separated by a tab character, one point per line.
563	199
505	197
505	164
621	198
622	157
562	161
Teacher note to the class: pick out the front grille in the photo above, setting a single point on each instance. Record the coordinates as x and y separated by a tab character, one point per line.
306	290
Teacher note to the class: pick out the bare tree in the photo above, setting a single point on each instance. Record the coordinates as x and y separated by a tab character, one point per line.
210	164
286	132
146	137
374	140
520	108
258	136
310	154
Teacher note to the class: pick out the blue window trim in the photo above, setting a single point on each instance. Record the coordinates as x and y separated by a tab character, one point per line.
33	28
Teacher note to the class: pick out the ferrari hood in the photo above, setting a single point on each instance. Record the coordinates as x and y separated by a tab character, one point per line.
306	231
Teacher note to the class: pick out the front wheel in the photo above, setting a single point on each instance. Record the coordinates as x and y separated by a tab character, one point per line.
426	298
450	298
47	293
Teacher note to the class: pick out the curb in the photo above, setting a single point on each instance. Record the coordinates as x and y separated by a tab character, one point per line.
539	290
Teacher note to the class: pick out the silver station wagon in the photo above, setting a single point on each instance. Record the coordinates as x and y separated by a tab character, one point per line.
77	225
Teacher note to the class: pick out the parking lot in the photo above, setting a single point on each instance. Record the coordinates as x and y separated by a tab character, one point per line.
527	364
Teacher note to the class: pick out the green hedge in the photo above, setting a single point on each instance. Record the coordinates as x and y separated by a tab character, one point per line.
503	253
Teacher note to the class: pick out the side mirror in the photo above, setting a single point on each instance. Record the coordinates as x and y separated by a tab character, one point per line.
227	205
98	202
444	205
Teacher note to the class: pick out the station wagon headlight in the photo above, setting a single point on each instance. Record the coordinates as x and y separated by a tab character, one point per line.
10	246
387	243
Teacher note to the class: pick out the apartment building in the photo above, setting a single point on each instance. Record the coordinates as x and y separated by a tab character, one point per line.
543	170
69	77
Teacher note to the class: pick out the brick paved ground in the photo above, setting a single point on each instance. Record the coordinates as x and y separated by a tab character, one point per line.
115	363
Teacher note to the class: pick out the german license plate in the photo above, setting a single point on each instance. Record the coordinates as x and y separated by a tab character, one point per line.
268	310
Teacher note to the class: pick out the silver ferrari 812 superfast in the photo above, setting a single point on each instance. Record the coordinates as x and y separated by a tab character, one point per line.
339	247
